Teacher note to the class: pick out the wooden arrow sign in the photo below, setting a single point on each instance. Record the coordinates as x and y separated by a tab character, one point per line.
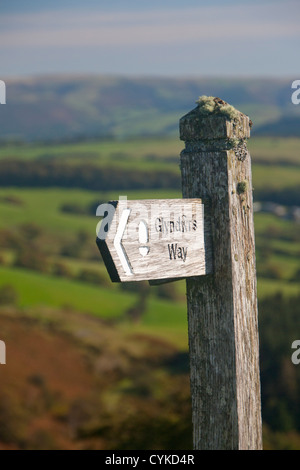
154	239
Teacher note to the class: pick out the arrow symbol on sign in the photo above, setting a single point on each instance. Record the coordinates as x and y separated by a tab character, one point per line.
118	242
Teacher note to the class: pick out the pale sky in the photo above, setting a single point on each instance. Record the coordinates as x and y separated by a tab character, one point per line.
154	38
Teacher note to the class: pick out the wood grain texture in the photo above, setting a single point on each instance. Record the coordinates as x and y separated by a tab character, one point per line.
222	307
176	240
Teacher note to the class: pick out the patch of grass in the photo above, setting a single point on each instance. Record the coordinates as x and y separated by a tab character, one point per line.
97	151
291	250
42	206
266	287
35	289
263	221
275	177
275	149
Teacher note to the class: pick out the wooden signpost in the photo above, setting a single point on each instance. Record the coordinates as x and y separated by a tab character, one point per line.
215	252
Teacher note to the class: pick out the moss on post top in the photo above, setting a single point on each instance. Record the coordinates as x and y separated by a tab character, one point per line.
212	119
208	105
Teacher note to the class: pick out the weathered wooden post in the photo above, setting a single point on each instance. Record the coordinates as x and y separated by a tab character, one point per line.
222	307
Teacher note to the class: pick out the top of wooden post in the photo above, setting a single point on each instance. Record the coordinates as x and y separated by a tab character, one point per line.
214	119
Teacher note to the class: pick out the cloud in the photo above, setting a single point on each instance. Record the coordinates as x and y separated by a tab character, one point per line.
218	38
157	27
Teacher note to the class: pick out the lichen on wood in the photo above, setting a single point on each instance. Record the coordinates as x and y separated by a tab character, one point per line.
242	187
208	105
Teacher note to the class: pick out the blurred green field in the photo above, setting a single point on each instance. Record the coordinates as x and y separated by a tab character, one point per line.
277	245
275	149
42	207
275	162
36	290
146	150
281	177
164	318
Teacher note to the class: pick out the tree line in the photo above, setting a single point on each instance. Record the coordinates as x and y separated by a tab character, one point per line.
42	174
37	174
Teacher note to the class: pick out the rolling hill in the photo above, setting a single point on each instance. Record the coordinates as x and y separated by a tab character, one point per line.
80	107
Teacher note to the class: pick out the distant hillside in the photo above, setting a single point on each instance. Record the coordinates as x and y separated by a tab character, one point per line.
60	107
286	126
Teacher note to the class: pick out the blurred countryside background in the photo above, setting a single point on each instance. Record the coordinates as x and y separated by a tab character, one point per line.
94	94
